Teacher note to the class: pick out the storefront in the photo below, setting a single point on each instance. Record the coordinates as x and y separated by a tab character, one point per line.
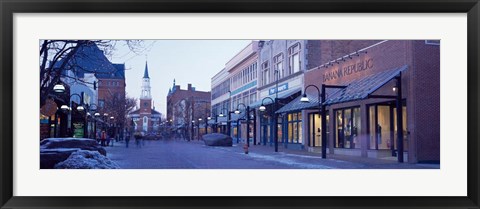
362	92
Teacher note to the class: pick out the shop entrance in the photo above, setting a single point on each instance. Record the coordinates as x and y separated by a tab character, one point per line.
315	129
382	127
265	130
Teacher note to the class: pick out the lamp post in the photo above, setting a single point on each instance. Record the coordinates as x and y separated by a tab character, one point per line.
305	99
324	115
192	132
80	108
228	119
206	124
105	124
198	128
247	115
93	110
273	122
112	129
207	118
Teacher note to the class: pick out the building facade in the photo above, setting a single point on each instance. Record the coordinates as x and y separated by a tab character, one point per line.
242	71
91	80
220	100
361	116
188	111
146	119
282	64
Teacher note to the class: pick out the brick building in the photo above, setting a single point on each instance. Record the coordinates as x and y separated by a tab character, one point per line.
362	117
188	110
146	119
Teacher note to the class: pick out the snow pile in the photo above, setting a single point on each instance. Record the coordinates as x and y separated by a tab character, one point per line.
80	143
84	159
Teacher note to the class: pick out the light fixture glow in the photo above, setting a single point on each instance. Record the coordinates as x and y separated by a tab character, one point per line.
64	107
262	108
59	88
304	98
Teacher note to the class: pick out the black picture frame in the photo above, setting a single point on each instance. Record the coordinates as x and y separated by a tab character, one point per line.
9	7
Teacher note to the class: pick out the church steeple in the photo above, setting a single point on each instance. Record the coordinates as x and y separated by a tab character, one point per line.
145	74
146	84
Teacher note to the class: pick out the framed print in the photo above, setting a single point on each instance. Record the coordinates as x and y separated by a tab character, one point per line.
309	104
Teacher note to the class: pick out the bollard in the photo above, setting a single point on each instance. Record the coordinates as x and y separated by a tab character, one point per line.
245	148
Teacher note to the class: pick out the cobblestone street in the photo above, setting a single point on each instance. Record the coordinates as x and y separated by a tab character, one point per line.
179	154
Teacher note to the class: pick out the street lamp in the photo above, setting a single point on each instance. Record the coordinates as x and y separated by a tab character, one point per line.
323	113
247	115
228	118
90	108
65	108
80	108
198	128
59	88
192	131
305	99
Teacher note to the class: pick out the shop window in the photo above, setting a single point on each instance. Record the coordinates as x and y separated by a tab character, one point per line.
348	125
382	122
294	127
404	126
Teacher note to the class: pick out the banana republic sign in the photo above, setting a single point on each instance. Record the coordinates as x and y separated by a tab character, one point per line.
348	70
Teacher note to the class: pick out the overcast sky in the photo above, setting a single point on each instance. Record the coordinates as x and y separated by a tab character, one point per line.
186	61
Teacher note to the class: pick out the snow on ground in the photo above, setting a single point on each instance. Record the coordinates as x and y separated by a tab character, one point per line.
84	159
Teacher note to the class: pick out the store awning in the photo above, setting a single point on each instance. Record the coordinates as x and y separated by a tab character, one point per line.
363	88
297	105
356	90
281	95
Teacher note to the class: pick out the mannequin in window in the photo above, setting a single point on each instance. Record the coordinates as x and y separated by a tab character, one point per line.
379	134
354	137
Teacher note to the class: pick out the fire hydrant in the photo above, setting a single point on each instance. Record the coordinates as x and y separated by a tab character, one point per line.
245	148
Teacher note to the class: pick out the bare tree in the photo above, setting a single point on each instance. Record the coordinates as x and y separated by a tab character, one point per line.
130	103
119	106
58	56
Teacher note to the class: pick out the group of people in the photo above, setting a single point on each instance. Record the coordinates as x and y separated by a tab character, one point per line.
103	138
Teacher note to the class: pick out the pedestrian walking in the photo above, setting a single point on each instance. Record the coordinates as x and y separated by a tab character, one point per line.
98	136
103	138
138	136
127	138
